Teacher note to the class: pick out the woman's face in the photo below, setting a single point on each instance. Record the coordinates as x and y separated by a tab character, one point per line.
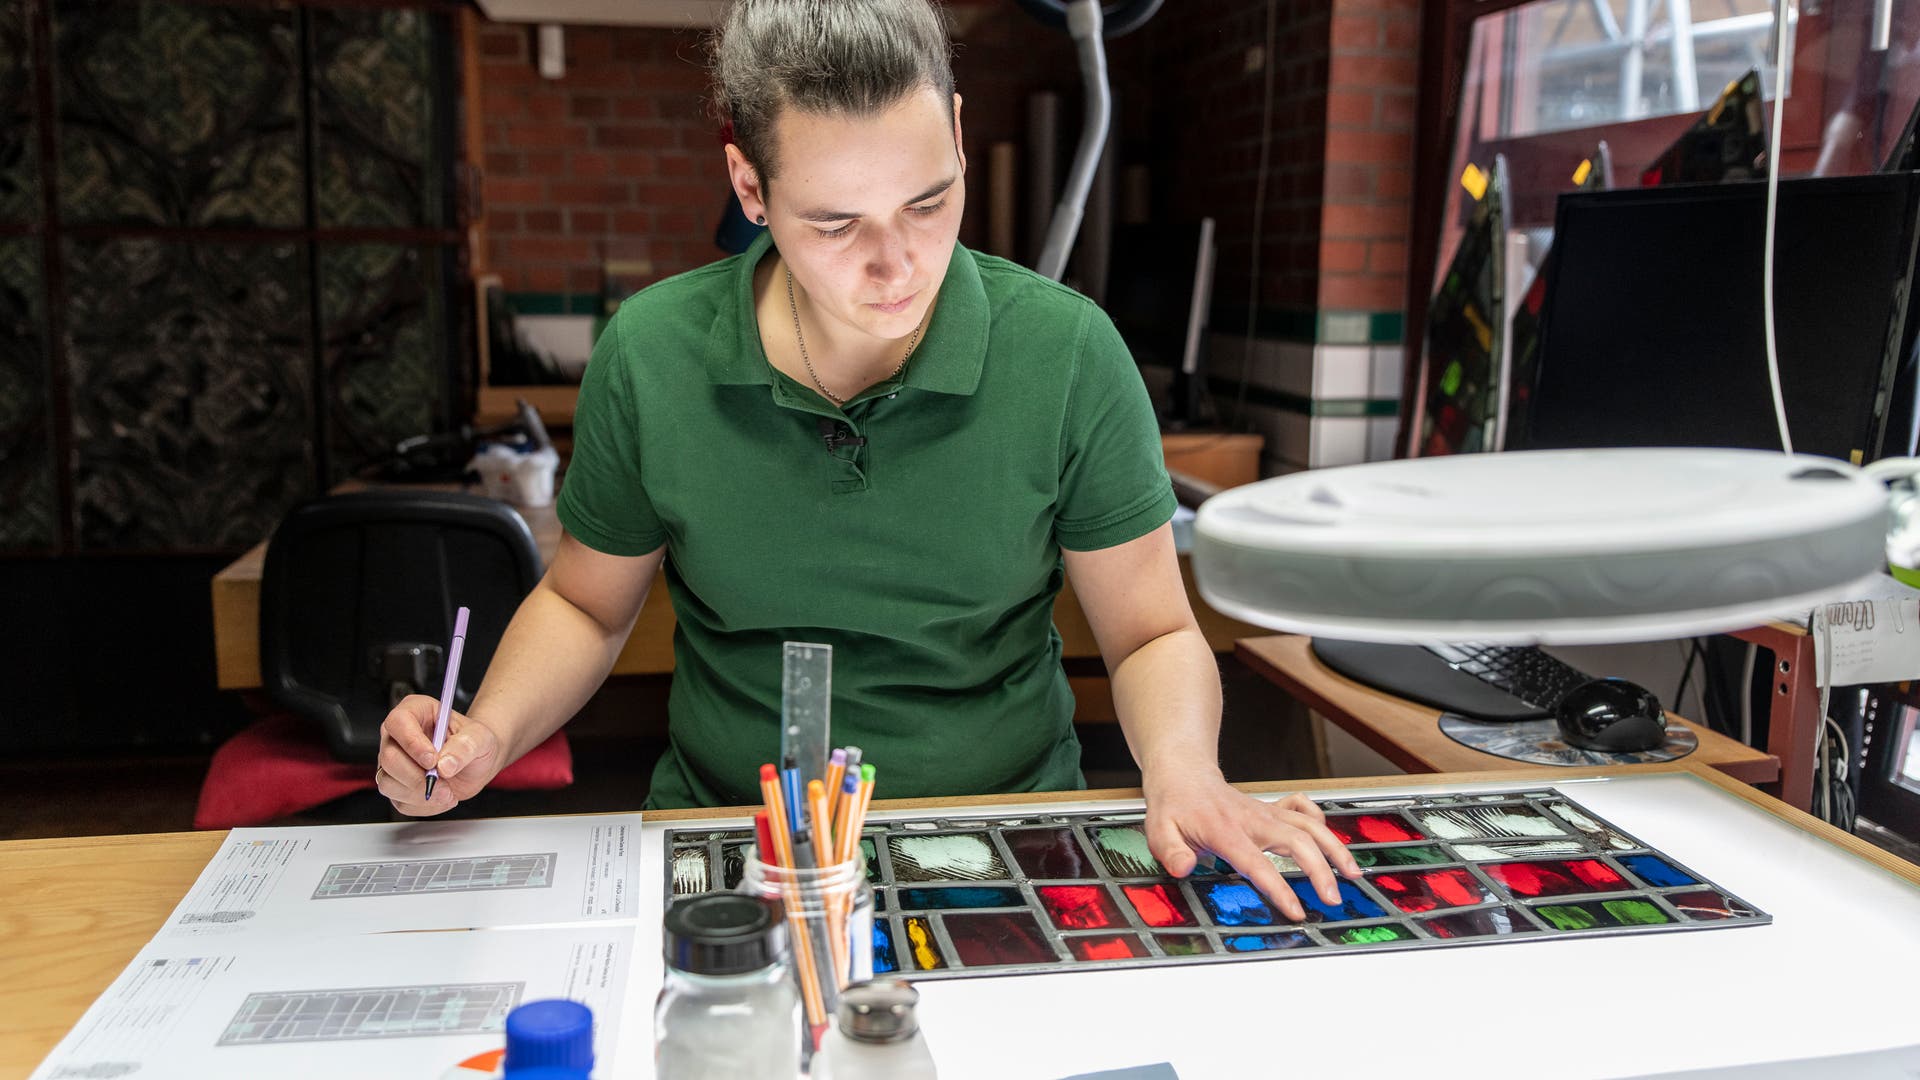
865	210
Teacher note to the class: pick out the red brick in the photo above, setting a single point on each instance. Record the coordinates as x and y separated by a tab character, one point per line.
1387	257
1355	33
589	164
567	249
587	222
1342	255
1348	220
1400	33
634	108
545	136
532	278
503	43
691	196
1370	147
635	164
1397	109
1350	108
1393	182
507	191
501	104
1343	183
503	221
1364	292
584	279
1375	72
677	166
591	192
601	77
683	222
633	222
589	107
541	221
545	162
588	46
503	163
633	137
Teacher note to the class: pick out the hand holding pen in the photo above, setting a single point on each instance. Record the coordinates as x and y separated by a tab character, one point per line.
464	758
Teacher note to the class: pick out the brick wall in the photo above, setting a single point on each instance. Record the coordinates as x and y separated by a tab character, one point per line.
1373	76
620	156
1207	59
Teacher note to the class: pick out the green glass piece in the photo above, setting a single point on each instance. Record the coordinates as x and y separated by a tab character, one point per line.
1564	917
1372	935
1408	855
1635	912
1125	852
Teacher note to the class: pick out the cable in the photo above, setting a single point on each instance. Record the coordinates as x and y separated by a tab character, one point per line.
1773	206
1259	209
1692	650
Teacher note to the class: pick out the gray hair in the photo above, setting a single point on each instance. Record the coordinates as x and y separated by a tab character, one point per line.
855	57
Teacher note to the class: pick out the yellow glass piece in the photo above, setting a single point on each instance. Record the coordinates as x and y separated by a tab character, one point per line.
1474	181
1585	170
926	955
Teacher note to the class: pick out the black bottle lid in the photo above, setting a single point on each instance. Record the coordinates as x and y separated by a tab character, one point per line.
722	934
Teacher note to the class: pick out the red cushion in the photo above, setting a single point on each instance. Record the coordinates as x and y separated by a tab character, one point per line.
280	766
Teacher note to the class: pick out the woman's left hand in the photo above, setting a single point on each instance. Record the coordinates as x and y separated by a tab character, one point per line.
1195	814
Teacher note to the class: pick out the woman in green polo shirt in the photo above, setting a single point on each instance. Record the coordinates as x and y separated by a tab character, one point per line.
858	432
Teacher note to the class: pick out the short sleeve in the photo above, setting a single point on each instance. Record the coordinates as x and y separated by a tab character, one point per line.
603	500
1113	477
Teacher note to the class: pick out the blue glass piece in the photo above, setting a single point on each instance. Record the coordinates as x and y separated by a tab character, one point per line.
1292	939
1235	903
961	896
1353	904
883	960
1656	871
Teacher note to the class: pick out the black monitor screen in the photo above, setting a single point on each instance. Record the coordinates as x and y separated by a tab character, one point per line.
1653	335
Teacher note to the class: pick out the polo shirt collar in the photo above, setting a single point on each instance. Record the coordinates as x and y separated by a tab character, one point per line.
948	360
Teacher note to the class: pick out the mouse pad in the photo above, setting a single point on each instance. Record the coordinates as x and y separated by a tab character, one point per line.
1538	742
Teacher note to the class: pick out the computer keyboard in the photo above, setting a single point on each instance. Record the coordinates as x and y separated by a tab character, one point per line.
1521	670
1485	682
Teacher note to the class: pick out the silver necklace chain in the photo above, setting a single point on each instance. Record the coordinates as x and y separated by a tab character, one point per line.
913	342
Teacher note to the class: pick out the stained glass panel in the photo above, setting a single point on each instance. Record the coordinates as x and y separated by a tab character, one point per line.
27	488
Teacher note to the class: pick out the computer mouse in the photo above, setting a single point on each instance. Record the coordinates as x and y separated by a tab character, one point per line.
1611	715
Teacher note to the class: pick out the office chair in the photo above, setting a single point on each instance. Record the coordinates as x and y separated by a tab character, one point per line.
357	599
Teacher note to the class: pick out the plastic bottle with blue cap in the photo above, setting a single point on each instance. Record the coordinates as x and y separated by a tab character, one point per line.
546	1040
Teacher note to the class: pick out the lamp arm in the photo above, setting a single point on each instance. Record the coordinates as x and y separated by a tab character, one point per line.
1084	23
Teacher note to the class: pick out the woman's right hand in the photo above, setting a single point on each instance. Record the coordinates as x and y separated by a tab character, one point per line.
467	761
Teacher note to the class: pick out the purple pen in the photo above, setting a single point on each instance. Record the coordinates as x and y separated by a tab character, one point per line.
447	688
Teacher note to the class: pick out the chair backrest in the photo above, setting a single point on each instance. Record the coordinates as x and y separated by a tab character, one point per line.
357	602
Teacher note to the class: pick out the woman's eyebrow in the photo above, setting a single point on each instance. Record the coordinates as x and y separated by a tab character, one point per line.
847	215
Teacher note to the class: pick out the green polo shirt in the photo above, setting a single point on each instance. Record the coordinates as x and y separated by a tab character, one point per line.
928	557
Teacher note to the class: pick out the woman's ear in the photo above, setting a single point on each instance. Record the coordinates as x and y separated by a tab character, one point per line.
746	185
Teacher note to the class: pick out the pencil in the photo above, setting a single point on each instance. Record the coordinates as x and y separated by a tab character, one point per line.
823	841
448	687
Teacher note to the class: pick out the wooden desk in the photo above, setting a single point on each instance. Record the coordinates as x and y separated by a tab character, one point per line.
1408	733
78	910
649	649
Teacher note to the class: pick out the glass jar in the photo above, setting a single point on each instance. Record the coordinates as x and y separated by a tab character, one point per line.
829	917
728	1006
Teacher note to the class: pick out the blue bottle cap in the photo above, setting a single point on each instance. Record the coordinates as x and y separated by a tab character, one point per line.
548	1072
549	1033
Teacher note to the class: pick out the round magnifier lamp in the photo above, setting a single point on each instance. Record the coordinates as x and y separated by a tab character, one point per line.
1543	547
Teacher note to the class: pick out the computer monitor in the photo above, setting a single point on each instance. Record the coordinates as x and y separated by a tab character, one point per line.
1903	406
1728	142
1652	332
1462	376
1159	290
